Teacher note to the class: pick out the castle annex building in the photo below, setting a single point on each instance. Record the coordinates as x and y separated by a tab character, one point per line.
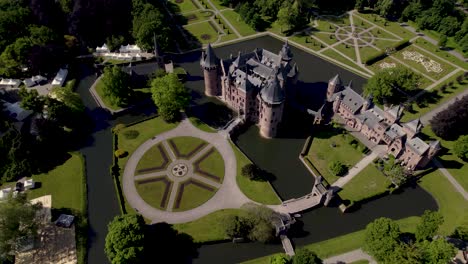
381	126
256	85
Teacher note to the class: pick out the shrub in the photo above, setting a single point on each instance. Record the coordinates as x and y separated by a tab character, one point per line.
279	259
120	153
401	44
251	171
338	168
306	256
461	147
118	127
131	134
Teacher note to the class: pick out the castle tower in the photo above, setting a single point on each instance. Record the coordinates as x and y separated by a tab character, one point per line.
334	85
367	103
434	148
412	128
271	98
285	52
157	53
210	64
393	114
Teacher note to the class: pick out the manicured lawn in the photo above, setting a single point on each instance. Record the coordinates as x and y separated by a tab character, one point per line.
218	5
208	228
64	183
213	164
325	26
152	158
446	68
152	193
456	166
322	152
302	38
380	33
435	98
333	54
348	50
204	32
325	37
185	145
375	67
228	37
345	243
393	27
185	5
452	205
193	197
238	23
197	16
366	52
440	53
258	191
100	91
382	43
369	182
201	125
359	22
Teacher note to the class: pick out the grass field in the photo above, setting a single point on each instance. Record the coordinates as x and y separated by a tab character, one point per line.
201	125
393	27
100	91
204	32
185	5
342	244
324	37
322	152
185	145
152	193
311	43
369	182
193	197
238	23
209	227
258	191
333	54
213	164
152	158
194	17
347	50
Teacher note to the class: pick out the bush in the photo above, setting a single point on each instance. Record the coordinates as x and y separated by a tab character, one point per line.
279	259
120	153
461	147
118	127
401	44
131	134
250	171
338	168
306	256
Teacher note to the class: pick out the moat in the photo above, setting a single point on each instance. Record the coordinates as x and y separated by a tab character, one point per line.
278	156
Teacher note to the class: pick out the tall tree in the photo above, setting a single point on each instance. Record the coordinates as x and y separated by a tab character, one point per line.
438	251
116	85
461	147
430	222
381	237
170	96
306	256
125	239
392	85
17	223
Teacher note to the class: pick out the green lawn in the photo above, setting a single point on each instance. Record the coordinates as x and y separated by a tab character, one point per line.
185	145
152	158
209	227
218	5
382	43
369	182
64	183
100	91
228	37
380	33
456	166
435	98
366	52
213	164
452	205
322	152
152	193
238	23
325	26
393	27
343	244
258	191
302	38
375	67
198	16
201	125
185	6
192	197
334	55
325	37
204	32
443	54
347	50
446	68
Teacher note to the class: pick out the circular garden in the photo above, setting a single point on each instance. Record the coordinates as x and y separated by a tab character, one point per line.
179	174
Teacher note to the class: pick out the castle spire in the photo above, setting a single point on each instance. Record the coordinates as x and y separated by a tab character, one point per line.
210	59
285	53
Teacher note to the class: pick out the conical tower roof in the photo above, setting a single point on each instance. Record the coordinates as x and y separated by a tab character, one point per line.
272	92
210	59
335	80
285	52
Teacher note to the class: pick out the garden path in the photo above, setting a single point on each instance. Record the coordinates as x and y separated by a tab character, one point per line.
349	257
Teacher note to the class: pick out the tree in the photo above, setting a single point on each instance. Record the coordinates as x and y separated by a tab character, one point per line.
460	147
384	7
392	85
381	236
430	222
30	100
71	99
337	168
125	239
262	228
251	171
116	86
283	18
279	259
237	226
397	175
170	96
461	232
17	223
450	123
306	256
438	251
360	5
148	20
442	41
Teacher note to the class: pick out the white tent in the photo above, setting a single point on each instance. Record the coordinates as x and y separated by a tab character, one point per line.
130	49
10	83
60	77
5	193
104	48
29	184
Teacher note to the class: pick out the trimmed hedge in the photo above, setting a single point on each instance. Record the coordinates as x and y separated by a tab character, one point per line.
371	59
401	44
115	174
306	146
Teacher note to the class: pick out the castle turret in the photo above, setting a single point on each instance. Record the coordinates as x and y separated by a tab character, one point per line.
272	102
285	52
393	114
412	128
334	85
367	103
210	65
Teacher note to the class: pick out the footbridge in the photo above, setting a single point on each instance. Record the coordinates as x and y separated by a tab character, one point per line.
288	248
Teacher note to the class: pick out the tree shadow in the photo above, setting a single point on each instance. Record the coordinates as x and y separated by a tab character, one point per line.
166	245
297	230
213	114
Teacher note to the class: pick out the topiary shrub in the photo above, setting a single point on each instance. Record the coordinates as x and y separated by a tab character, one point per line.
337	168
250	171
120	153
131	134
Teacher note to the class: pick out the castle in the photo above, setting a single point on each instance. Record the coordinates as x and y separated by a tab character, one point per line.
256	85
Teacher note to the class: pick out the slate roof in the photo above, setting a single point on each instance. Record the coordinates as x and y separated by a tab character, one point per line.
371	117
335	80
272	92
417	145
210	59
415	125
395	131
395	111
351	99
285	52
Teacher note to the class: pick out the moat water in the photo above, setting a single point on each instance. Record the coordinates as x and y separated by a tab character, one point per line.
278	156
